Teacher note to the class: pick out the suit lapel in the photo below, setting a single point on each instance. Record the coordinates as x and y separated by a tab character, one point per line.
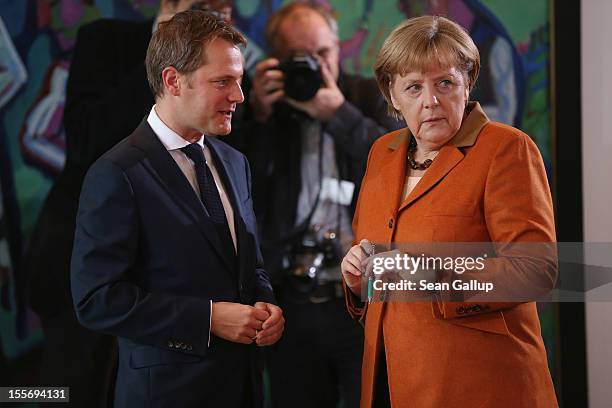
242	235
229	177
163	168
447	159
392	173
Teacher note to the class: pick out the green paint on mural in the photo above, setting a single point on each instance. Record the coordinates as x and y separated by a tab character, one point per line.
519	17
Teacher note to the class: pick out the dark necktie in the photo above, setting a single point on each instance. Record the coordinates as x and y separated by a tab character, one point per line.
208	190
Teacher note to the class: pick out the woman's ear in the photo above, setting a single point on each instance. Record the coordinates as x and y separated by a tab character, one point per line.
393	100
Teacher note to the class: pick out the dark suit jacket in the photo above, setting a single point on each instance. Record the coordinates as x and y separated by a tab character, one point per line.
107	97
146	262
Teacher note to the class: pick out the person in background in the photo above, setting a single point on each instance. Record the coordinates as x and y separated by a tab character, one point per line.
308	157
452	176
166	257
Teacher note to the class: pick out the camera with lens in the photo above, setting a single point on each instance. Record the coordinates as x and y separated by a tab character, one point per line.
303	77
315	254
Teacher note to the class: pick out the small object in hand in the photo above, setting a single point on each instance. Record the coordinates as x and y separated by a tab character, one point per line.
371	252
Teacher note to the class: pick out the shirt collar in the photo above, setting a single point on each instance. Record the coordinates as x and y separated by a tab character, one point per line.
473	123
169	138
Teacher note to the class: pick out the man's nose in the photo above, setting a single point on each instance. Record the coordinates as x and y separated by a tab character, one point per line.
237	95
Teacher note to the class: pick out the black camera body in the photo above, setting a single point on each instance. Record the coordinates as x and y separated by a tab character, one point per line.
303	77
310	257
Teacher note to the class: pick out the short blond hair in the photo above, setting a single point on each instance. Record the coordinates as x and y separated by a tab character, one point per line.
424	43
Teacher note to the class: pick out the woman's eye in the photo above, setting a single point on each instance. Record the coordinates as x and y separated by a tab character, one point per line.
445	83
414	88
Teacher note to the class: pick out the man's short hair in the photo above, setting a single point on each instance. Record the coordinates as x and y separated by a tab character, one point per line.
276	19
179	43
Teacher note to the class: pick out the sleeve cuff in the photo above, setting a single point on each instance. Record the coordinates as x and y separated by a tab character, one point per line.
209	324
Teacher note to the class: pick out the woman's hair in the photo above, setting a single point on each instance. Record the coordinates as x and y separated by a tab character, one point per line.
424	43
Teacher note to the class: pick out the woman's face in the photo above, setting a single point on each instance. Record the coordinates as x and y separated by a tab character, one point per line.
432	103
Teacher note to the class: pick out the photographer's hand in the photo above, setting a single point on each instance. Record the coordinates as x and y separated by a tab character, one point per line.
325	103
267	88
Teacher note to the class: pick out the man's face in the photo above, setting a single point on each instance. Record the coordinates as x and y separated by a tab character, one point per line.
310	34
209	95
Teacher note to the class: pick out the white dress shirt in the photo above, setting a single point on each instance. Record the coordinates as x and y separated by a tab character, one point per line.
173	143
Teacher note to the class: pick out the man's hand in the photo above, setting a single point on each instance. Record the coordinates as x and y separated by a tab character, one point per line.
237	322
268	88
353	265
326	101
272	328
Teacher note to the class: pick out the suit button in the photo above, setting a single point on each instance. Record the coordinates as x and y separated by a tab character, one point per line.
170	344
189	347
183	346
390	222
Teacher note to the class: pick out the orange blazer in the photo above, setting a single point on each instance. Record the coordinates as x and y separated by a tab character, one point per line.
488	184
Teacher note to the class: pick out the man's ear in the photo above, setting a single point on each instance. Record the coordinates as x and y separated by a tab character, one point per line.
171	79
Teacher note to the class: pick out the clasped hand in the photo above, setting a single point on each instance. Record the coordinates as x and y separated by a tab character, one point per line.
262	323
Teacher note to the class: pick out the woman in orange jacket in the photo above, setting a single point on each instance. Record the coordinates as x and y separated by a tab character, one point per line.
451	176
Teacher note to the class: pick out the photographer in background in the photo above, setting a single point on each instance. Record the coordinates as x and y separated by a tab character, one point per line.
308	150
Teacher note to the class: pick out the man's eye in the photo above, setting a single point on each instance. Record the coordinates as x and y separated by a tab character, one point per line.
222	82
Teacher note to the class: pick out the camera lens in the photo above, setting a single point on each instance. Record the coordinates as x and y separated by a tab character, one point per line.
302	77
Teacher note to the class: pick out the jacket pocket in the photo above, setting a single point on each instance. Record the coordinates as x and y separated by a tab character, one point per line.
453	208
147	356
493	322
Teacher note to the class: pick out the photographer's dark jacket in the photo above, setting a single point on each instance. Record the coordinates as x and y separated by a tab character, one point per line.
274	152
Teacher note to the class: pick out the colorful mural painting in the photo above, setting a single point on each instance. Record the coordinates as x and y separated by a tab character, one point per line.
37	36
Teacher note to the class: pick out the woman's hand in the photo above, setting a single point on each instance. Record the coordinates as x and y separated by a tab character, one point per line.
352	265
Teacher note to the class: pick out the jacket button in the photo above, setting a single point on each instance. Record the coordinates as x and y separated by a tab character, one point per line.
189	347
390	222
170	344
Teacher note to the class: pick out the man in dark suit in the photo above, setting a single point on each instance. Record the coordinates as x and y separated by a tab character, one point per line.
165	255
107	97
